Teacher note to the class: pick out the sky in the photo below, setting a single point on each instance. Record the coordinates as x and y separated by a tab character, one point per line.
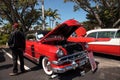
65	10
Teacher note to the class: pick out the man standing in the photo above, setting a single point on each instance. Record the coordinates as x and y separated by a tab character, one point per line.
16	43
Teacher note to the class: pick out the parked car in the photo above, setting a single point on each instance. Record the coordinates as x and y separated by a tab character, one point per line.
57	54
107	41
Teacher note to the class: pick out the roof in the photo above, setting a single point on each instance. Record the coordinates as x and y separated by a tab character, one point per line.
98	30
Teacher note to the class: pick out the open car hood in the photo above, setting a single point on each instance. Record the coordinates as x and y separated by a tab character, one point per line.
81	32
62	31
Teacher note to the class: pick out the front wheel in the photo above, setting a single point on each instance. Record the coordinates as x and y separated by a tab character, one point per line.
46	66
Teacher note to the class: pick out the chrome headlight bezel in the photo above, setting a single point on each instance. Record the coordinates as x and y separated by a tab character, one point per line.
60	53
86	45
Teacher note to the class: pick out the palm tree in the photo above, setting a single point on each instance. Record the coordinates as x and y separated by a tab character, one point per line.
49	14
53	15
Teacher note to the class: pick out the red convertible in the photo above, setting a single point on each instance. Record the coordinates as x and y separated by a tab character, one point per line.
56	53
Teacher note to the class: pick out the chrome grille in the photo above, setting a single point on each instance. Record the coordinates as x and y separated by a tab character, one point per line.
76	56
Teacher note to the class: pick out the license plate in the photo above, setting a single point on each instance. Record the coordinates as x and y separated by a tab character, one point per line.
92	61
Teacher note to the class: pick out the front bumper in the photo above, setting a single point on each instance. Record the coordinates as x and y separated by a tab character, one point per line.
74	65
75	60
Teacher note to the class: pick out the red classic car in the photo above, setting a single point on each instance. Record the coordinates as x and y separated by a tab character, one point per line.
107	41
57	54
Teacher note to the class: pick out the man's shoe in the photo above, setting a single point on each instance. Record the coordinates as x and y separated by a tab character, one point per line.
13	74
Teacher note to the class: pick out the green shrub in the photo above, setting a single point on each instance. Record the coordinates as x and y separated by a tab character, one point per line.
4	39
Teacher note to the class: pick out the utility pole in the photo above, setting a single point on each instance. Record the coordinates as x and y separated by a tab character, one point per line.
43	15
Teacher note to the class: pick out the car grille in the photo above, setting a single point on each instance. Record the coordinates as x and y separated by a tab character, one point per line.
73	57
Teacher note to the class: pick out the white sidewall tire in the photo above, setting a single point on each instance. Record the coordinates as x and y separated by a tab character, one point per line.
44	63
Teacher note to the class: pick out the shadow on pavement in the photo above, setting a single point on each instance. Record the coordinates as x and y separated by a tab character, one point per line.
2	58
37	67
111	73
107	56
6	66
70	75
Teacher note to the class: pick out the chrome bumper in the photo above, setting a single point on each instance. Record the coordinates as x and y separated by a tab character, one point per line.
81	57
74	65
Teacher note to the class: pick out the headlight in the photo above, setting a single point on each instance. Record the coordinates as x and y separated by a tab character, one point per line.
60	53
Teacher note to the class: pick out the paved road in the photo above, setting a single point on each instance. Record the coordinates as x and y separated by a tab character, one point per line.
109	69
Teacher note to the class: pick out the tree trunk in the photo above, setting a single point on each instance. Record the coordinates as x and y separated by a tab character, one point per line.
98	19
117	22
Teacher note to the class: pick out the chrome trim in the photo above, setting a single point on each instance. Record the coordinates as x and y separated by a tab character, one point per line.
58	51
74	65
69	58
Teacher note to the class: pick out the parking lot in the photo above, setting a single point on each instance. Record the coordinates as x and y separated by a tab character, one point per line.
109	69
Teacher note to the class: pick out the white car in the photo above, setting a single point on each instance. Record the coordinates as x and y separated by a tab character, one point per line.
107	41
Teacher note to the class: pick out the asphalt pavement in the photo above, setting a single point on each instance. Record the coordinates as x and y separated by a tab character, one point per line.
109	69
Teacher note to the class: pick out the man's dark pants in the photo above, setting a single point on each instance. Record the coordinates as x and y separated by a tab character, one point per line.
17	53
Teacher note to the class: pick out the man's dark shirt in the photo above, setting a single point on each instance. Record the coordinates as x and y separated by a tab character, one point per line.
17	40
